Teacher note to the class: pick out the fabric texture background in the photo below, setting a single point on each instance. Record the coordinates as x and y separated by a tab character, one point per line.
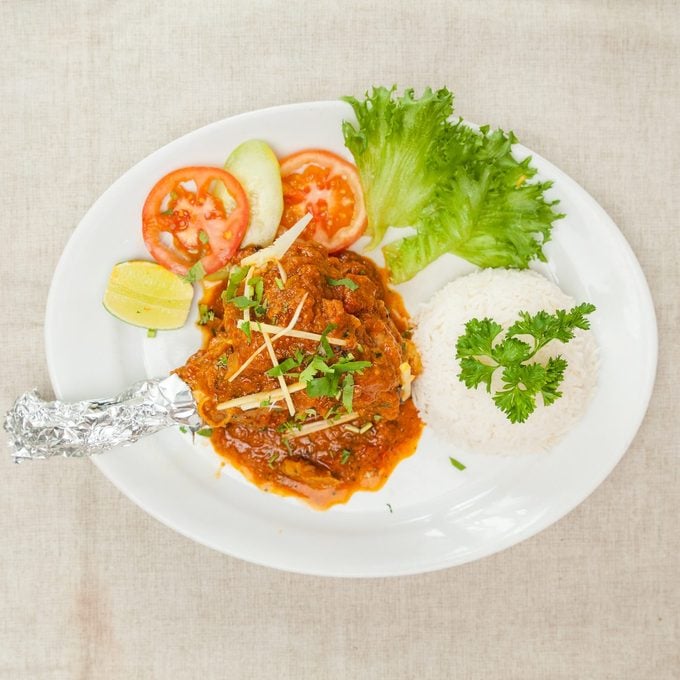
92	587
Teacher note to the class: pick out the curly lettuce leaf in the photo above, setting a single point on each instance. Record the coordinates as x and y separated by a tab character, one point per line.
459	188
394	145
486	211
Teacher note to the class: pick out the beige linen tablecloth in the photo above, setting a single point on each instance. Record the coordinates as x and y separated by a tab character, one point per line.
92	587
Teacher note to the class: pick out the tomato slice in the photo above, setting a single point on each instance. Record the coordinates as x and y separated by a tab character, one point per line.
320	182
182	227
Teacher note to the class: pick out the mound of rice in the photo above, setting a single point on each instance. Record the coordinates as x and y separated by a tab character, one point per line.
468	417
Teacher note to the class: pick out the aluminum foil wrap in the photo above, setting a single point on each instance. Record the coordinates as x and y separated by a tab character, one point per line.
42	429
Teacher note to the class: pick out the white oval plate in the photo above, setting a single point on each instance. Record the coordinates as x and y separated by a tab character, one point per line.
429	515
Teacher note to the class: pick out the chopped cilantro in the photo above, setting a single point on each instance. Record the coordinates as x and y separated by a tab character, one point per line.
288	425
205	314
332	412
236	276
326	386
245	327
243	302
257	285
282	368
306	414
347	391
348	283
335	379
324	345
347	366
456	463
195	273
223	361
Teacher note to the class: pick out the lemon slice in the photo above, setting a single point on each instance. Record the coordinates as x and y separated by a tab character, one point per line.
145	294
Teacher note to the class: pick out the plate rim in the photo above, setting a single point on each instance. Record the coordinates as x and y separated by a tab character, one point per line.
506	541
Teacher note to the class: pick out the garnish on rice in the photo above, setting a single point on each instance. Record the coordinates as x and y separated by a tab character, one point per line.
480	356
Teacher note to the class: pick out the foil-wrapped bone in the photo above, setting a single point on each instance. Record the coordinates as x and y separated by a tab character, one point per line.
42	429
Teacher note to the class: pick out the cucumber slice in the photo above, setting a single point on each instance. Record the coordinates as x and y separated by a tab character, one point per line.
256	167
145	294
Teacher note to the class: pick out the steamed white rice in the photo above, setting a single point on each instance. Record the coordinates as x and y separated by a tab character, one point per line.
468	417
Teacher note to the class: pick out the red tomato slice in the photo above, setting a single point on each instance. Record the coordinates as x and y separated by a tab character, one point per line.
328	186
182	227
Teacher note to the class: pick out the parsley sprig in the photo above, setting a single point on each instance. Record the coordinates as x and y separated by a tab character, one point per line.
480	356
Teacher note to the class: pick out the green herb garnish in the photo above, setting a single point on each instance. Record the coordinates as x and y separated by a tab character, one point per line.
151	332
479	357
456	463
223	361
346	453
346	365
348	283
195	273
306	414
325	346
257	284
245	327
289	425
279	283
347	392
205	432
236	276
205	315
243	302
332	412
203	237
335	380
285	366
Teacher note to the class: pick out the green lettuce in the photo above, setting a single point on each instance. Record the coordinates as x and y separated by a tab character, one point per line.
393	146
459	188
